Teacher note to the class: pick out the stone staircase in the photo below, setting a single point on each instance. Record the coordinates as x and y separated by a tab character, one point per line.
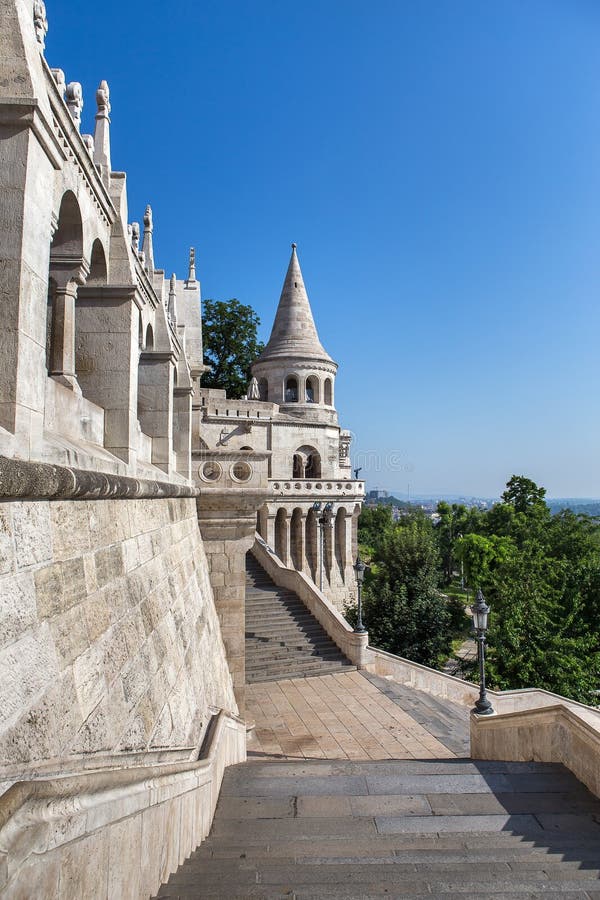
406	828
283	639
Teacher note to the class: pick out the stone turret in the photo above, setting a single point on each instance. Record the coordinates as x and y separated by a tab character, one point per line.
294	370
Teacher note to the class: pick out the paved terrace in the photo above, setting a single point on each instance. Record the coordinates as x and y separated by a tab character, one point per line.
353	715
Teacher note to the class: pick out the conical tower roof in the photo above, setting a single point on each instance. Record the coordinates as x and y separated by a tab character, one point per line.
294	332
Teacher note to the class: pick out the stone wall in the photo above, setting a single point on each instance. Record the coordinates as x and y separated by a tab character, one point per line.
110	640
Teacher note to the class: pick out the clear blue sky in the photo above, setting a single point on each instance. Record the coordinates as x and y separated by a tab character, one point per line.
438	164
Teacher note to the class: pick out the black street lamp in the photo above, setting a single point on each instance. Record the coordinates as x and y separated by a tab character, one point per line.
360	567
481	611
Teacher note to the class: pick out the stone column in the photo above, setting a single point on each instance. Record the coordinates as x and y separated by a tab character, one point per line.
233	486
106	351
155	404
182	434
67	275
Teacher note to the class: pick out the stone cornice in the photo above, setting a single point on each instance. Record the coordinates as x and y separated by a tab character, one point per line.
23	480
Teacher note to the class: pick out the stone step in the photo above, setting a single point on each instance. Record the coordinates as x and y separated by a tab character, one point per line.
283	639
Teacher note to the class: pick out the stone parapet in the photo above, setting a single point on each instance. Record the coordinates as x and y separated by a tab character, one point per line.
117	831
23	480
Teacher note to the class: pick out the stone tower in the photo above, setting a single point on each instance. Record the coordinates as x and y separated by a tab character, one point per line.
294	370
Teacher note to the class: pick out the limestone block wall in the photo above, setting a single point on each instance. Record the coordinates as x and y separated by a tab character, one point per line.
110	640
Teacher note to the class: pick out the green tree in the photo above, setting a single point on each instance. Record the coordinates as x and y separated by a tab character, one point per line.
373	523
403	608
229	331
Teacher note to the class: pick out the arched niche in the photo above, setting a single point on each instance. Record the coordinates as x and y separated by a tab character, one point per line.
291	389
328	392
263	388
262	519
68	237
149	341
312	389
98	267
306	463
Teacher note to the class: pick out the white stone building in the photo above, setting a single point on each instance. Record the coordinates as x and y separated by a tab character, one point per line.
310	516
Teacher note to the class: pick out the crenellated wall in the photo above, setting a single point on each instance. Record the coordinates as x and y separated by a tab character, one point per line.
110	640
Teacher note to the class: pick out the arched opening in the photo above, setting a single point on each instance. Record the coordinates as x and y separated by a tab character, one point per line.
306	463
297	540
263	388
140	333
291	389
149	342
328	392
340	541
312	544
281	535
68	237
98	268
65	273
312	389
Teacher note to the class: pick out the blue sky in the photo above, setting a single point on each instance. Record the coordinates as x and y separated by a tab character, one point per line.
438	164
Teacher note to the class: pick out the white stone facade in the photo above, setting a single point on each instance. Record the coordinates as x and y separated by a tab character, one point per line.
310	515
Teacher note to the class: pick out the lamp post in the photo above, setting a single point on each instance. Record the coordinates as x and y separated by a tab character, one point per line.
480	611
360	568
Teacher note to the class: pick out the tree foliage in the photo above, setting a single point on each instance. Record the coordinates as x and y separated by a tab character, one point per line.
402	607
229	332
540	574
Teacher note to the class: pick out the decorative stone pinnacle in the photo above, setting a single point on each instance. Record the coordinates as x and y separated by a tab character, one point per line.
192	268
88	140
172	304
148	224
103	99
61	84
294	246
135	236
40	22
74	100
147	242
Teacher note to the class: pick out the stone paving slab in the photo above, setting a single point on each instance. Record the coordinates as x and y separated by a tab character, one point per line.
351	716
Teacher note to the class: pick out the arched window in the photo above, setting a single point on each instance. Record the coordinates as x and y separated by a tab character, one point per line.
327	392
312	389
149	344
98	268
291	390
263	389
307	463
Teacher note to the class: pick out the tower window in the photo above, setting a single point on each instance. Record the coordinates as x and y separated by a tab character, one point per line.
291	390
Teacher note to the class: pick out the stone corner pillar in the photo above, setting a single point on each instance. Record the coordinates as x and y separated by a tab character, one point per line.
233	486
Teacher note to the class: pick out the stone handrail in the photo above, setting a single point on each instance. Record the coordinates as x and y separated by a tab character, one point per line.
82	821
352	645
449	687
560	733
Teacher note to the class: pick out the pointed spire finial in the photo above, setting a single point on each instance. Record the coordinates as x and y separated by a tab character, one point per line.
74	100
102	130
294	333
192	268
40	22
294	246
147	246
